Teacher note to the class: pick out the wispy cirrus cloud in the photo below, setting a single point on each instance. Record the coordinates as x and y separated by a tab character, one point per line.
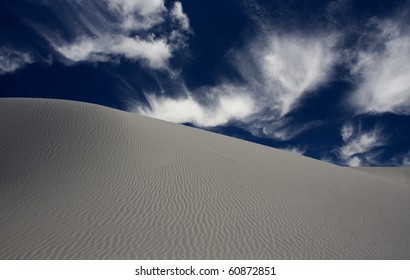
12	60
111	29
279	70
401	159
358	148
291	66
283	129
406	160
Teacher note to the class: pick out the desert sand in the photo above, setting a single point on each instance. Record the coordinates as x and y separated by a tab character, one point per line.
81	181
400	174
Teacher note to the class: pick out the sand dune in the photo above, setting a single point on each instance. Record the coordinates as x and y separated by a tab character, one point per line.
400	174
81	181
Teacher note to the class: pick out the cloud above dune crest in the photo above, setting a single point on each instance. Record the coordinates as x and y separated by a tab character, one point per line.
406	160
354	162
219	109
402	159
283	129
358	147
295	150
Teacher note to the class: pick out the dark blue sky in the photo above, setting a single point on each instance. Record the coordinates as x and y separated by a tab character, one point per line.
327	79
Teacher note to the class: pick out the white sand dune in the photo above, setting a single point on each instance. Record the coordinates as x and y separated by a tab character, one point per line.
81	181
400	174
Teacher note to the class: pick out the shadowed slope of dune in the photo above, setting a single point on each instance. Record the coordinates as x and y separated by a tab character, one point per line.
81	181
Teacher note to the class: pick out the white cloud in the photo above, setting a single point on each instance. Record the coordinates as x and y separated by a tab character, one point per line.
222	109
280	129
155	52
354	162
281	67
106	30
402	159
178	14
292	66
144	8
362	143
384	68
11	60
81	50
138	14
359	146
347	131
296	150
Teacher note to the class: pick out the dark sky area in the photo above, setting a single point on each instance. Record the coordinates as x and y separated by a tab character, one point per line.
326	79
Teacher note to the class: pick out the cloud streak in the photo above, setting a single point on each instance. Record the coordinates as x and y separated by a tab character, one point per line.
154	52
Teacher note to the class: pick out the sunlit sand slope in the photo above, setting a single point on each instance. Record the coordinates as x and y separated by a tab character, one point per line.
401	174
81	181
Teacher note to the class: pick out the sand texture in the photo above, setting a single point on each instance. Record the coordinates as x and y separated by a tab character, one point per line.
81	181
400	174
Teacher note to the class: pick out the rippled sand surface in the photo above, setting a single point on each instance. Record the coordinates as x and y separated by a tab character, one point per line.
81	181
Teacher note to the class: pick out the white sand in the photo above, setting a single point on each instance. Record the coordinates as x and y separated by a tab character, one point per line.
81	181
400	174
